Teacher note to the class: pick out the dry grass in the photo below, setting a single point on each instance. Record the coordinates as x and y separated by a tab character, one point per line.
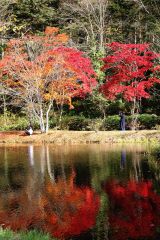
80	137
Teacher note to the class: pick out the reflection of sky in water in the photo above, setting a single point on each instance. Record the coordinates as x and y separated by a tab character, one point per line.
70	185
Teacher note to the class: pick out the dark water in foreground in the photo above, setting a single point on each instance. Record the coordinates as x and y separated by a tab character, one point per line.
81	192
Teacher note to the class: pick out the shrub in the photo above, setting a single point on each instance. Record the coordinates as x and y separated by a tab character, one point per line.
95	124
144	121
111	123
75	123
14	122
148	121
53	122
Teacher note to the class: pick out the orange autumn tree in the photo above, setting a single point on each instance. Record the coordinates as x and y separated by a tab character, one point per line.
40	70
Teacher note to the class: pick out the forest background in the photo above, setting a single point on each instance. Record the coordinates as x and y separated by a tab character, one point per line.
90	25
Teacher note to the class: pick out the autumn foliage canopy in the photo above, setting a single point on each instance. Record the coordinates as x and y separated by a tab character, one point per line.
46	64
130	71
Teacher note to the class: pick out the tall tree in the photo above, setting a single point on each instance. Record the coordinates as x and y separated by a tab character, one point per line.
33	15
130	72
40	70
86	20
134	21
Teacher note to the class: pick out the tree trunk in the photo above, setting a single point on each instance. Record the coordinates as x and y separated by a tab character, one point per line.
41	122
134	114
47	117
4	110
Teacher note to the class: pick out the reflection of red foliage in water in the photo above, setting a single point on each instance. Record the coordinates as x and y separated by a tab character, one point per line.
135	209
63	210
20	214
69	210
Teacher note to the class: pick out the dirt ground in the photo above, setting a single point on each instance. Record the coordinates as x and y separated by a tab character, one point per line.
80	137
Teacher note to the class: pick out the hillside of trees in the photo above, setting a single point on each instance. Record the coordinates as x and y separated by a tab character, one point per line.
75	64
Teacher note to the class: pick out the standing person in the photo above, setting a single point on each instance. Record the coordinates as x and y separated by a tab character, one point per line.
122	121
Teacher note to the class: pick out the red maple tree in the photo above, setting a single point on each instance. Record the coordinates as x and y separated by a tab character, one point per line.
130	71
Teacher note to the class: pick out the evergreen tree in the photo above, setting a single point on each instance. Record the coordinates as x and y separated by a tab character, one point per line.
34	15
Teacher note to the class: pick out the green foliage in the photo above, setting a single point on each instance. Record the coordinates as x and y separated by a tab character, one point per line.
144	121
96	57
53	122
75	123
148	121
15	122
156	153
80	123
111	123
116	106
123	26
33	15
6	234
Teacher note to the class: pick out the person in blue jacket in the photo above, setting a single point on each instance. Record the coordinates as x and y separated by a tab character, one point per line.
122	121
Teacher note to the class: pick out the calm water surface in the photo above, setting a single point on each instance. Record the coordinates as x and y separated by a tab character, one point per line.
81	192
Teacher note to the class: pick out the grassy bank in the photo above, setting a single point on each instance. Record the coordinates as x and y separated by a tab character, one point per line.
32	235
81	137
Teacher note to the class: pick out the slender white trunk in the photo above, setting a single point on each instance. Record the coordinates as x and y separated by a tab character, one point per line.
4	110
41	122
47	117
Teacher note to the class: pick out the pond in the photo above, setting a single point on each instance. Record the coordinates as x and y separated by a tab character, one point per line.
89	192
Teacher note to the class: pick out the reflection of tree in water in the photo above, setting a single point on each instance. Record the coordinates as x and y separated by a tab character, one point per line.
52	203
134	210
69	210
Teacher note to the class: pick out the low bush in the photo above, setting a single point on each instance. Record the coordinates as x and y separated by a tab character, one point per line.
13	122
78	123
144	121
148	121
111	123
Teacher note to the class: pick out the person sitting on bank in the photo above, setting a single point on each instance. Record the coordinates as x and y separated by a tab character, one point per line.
29	131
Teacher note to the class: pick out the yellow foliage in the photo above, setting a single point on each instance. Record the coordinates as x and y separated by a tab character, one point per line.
62	37
47	96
